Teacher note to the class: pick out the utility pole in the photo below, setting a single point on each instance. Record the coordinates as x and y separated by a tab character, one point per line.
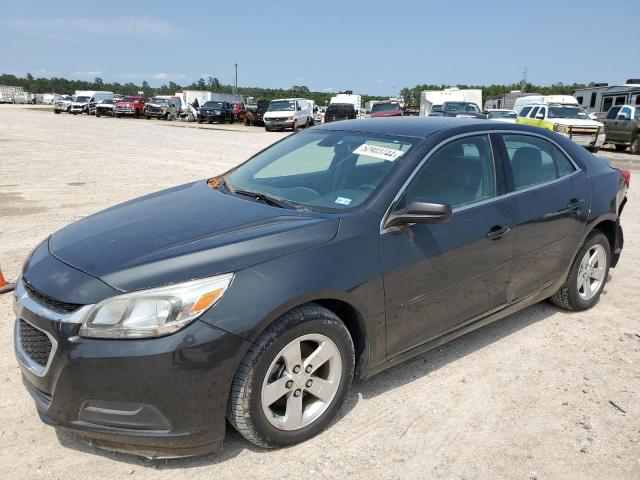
523	82
235	90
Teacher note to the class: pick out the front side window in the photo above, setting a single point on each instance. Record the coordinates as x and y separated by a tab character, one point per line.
325	171
534	112
459	173
531	160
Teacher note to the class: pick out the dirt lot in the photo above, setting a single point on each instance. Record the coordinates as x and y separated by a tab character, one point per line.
542	394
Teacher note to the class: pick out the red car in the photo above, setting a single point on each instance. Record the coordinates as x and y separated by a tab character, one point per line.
386	109
239	110
130	105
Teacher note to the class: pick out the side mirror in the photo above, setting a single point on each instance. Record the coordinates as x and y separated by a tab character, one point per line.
540	116
420	211
299	108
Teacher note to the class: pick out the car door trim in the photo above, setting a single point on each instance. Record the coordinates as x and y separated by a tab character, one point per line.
486	201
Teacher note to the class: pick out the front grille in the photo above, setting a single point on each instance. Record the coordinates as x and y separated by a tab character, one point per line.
50	303
35	343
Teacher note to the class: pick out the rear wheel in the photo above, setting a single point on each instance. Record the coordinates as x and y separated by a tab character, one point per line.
588	275
619	147
294	379
635	145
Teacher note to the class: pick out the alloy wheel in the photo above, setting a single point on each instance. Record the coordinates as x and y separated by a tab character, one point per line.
591	272
301	382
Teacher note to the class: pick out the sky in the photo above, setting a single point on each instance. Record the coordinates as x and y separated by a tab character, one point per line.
374	47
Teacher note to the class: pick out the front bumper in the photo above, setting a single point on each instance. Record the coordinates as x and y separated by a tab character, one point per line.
216	117
271	123
161	397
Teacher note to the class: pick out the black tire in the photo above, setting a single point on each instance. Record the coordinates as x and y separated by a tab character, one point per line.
619	147
244	409
267	129
567	296
97	114
294	128
635	145
593	149
117	115
57	112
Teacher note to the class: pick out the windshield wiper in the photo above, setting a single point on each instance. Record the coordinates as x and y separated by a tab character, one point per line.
261	197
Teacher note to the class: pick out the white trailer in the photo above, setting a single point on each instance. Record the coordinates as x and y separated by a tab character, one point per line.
429	98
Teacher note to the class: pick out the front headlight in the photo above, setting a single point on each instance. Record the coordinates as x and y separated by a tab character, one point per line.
154	312
561	128
290	118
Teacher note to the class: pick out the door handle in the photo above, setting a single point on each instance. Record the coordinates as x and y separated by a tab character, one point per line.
575	204
497	232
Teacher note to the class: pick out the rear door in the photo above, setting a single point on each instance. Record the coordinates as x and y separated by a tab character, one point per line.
438	277
551	198
625	124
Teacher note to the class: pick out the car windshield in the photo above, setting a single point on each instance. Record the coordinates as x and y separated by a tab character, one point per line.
110	101
460	107
282	106
325	171
502	115
82	99
568	112
383	107
436	108
212	105
130	99
159	100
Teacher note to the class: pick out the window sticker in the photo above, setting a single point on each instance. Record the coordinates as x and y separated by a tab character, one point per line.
377	151
343	201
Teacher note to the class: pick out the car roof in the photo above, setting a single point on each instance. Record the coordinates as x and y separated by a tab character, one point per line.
405	126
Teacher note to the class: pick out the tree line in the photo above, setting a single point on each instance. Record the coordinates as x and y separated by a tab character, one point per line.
410	96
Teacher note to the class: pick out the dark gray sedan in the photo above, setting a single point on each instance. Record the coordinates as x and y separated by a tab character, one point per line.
257	295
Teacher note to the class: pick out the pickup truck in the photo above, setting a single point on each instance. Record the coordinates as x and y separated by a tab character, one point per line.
622	128
459	109
130	105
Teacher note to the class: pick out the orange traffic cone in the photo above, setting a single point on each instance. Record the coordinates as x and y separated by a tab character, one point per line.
4	286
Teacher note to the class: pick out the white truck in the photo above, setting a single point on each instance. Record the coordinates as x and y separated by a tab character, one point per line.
350	98
86	100
429	98
288	113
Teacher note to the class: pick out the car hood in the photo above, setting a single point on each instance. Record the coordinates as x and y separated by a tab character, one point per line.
183	233
387	113
576	122
279	114
158	105
124	104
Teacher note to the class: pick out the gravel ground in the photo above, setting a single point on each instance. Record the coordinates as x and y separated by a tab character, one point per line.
542	394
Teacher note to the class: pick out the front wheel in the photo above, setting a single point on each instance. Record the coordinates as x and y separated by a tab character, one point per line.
294	379
588	275
620	147
294	128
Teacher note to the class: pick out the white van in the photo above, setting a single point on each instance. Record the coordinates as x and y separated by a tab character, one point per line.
288	113
86	100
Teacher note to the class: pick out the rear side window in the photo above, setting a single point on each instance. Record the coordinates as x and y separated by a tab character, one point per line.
531	160
565	167
621	100
459	173
592	103
607	103
525	111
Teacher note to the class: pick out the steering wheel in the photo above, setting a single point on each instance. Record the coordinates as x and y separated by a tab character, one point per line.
367	186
